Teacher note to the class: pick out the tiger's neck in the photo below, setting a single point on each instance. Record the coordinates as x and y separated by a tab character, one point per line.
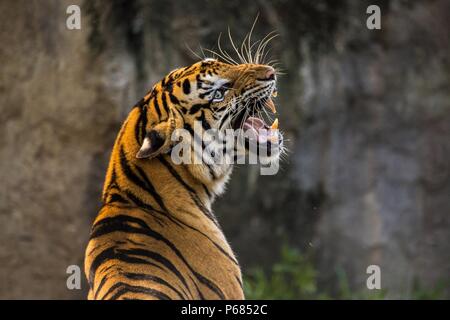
156	184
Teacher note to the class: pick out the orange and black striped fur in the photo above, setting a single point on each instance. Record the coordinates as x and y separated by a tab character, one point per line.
156	236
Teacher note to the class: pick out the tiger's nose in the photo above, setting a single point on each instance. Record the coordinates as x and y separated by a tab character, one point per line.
270	74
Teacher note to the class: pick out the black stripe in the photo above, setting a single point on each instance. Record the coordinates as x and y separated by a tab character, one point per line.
195	108
211	240
144	121
140	103
157	197
239	281
143	245
212	286
188	127
199	81
164	102
112	184
146	207
206	126
208	193
200	294
156	106
110	254
122	223
225	117
139	129
136	243
186	86
119	223
158	258
164	81
222	250
211	171
191	191
173	99
176	175
105	278
125	288
198	153
141	204
144	184
142	276
115	197
179	112
137	126
164	105
100	286
151	189
183	109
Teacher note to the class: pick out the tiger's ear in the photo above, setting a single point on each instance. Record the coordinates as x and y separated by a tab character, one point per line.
157	139
152	145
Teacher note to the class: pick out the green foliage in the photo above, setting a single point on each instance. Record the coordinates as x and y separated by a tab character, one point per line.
295	277
420	293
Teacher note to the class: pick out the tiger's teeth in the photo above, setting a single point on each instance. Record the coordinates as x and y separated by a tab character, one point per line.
269	104
275	94
274	124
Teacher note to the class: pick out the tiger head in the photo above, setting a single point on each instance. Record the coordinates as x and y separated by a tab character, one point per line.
219	96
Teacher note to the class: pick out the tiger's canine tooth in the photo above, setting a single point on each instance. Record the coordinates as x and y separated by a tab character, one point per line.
275	94
269	104
274	124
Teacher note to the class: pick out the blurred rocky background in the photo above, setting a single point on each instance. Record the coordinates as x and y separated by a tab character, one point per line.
366	114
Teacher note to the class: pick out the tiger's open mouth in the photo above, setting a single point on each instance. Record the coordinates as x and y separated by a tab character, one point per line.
252	121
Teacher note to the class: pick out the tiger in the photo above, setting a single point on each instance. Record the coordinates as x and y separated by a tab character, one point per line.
155	236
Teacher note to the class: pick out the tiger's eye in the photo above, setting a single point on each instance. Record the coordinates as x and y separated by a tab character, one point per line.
218	95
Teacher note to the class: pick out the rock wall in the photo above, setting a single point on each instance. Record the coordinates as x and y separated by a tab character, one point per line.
366	114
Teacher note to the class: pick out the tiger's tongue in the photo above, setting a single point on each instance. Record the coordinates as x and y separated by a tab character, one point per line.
256	129
253	123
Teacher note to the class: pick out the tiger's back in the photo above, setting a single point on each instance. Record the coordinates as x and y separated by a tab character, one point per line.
151	261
